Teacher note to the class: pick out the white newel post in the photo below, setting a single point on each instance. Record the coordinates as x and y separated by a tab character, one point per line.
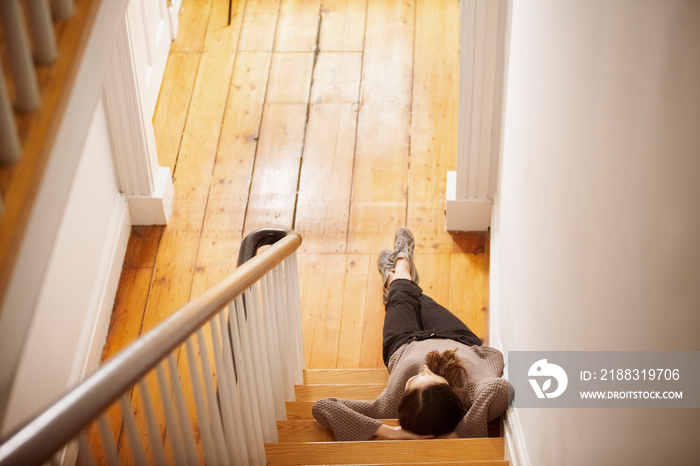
147	186
471	188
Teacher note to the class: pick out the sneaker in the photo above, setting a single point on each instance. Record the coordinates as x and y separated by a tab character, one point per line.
385	264
404	244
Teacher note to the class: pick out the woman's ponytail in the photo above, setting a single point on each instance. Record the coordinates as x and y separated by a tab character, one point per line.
448	365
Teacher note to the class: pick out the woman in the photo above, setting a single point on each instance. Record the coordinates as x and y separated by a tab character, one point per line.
443	382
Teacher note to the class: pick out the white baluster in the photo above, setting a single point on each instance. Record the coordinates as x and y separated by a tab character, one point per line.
86	457
273	350
185	423
10	148
283	330
205	432
294	301
132	432
177	440
153	431
20	53
62	9
262	362
214	411
234	426
253	409
108	441
45	51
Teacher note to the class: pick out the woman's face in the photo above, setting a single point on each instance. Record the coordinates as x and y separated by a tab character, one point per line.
424	378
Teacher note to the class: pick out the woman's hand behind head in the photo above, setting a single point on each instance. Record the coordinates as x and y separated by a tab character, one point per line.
386	432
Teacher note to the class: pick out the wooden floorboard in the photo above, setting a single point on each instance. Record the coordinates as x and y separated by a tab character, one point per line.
335	117
325	187
343	25
260	24
433	149
382	149
297	27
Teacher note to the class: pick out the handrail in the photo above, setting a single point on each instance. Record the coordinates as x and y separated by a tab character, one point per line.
47	433
256	239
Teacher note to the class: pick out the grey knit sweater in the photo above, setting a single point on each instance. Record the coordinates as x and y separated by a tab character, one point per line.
486	397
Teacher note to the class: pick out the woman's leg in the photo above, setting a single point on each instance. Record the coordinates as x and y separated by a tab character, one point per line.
434	317
443	323
402	270
402	318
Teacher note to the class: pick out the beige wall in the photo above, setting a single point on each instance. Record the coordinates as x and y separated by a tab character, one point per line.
596	225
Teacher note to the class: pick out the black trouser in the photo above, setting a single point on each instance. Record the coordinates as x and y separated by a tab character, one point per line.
412	316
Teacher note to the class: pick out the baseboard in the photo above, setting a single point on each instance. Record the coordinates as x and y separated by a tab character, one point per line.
156	208
465	214
94	333
515	447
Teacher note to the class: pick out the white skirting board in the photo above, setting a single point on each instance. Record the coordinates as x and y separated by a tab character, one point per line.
465	214
157	208
515	447
94	333
515	450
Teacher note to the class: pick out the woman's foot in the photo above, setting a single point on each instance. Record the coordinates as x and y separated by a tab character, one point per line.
386	263
404	244
402	270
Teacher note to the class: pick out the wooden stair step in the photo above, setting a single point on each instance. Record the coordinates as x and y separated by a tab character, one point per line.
386	451
445	463
297	410
301	410
345	376
306	430
346	391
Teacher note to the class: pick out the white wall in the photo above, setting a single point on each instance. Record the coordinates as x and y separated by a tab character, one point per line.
596	225
77	294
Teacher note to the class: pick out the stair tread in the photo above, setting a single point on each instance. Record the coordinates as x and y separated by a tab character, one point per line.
344	376
386	451
303	441
438	463
305	430
299	409
356	391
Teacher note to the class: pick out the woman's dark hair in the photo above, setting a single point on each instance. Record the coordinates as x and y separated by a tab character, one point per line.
435	409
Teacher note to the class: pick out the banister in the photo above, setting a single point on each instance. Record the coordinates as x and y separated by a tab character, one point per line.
37	440
256	239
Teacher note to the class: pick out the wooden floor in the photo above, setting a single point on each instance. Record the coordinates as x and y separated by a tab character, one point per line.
337	118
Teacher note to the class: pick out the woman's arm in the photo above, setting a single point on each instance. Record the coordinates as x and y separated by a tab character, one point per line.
348	419
447	436
491	401
386	432
360	420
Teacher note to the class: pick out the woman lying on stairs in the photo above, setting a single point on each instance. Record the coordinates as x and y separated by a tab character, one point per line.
443	382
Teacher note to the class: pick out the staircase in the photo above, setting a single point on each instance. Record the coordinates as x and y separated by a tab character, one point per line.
243	360
303	441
